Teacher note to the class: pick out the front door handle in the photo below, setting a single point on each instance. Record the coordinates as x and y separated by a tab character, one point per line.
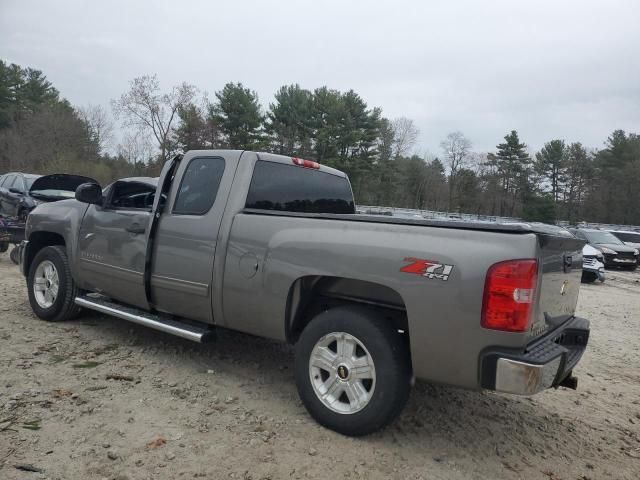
135	228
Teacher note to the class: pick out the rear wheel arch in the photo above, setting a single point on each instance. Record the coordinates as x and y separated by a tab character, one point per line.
313	294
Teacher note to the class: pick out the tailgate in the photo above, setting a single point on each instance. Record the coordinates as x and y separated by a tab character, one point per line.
559	275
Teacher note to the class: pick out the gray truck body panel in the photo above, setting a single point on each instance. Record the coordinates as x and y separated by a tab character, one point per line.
239	268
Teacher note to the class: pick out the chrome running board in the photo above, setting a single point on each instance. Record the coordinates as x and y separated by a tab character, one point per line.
141	317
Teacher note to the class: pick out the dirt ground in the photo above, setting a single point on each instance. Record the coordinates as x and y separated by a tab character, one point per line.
100	398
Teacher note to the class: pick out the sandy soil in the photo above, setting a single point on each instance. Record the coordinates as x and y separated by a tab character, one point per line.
100	398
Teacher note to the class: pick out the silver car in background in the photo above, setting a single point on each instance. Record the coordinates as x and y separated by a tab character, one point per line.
592	265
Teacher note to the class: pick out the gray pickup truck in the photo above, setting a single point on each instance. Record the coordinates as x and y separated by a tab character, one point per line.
272	246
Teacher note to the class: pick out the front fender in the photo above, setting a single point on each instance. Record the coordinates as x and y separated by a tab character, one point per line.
60	219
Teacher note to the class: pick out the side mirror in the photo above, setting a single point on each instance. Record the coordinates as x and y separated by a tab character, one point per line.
16	190
89	193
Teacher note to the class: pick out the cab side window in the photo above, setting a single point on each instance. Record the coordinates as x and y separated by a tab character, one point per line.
131	196
199	186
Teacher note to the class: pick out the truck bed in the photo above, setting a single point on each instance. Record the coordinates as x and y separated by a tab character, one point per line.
515	227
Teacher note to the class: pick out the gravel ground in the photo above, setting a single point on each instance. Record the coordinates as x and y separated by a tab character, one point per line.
101	398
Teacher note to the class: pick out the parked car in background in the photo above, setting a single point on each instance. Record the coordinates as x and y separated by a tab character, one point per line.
22	192
592	264
14	187
629	238
616	253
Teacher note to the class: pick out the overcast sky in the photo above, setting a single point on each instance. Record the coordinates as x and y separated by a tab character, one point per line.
549	69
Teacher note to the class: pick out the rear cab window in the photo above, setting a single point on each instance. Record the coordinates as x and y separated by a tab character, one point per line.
291	188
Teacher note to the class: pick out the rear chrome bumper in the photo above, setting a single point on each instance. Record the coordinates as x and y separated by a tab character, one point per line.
545	363
523	378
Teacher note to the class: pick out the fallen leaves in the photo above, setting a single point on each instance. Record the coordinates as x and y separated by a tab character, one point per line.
61	392
157	442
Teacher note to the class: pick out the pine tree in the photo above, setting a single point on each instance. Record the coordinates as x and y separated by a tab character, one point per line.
190	135
239	115
513	164
289	121
551	164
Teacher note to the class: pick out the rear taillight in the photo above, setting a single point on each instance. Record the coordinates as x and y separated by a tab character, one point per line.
509	291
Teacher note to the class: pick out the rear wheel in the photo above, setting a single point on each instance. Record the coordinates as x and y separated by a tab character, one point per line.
352	370
4	246
51	288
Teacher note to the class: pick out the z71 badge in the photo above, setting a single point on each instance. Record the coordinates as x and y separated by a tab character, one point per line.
427	268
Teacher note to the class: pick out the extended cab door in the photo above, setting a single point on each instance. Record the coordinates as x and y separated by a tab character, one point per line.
112	241
187	234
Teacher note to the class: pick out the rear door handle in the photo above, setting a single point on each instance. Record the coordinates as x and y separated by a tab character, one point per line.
135	228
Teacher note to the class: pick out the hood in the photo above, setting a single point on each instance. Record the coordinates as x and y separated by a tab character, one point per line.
589	250
616	247
57	186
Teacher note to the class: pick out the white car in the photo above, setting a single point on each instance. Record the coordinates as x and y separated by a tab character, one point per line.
592	264
629	238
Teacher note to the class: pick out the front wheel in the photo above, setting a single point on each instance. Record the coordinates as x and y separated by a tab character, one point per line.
352	370
52	290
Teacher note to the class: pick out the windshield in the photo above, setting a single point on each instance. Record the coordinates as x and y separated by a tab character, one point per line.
601	237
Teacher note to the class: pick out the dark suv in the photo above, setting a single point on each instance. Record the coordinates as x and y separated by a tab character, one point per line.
616	253
14	198
22	192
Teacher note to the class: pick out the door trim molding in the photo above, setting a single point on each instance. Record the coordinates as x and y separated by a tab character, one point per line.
179	285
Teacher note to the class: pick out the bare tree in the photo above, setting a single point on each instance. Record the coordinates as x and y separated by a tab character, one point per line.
405	135
146	108
100	125
456	148
136	149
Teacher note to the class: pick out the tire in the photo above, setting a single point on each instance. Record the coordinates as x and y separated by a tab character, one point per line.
58	307
14	255
4	246
631	268
589	277
374	342
22	215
